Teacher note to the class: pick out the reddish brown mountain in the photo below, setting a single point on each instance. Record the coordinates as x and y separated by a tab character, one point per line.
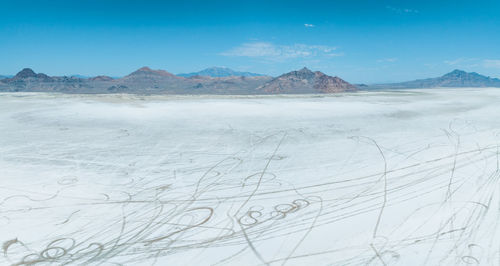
101	78
146	72
306	81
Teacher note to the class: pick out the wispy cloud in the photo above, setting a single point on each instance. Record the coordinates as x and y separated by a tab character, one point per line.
463	62
309	25
491	63
474	62
274	52
389	60
460	61
401	10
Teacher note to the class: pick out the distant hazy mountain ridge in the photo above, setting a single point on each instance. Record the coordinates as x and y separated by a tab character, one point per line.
456	78
220	72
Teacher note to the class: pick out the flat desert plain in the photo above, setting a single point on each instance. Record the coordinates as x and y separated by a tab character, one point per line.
408	177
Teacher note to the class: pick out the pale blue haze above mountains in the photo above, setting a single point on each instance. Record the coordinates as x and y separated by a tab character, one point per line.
219	72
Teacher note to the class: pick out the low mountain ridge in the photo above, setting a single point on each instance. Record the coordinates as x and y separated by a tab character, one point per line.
455	79
144	80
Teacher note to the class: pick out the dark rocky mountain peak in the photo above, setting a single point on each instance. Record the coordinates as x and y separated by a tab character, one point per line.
303	73
29	74
305	70
460	74
461	78
25	73
457	72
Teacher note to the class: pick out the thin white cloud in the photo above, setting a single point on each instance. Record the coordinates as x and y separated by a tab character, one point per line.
458	61
334	54
491	63
453	62
401	10
309	25
389	60
465	62
270	51
474	63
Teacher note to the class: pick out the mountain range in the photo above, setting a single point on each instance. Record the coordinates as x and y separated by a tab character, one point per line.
148	81
223	81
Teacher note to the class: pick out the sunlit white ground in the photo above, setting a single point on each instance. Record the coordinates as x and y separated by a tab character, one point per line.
370	178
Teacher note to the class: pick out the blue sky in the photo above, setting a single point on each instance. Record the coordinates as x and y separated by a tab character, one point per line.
360	41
